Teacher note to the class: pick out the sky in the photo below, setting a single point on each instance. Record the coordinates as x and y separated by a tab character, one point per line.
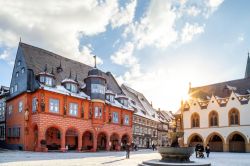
156	47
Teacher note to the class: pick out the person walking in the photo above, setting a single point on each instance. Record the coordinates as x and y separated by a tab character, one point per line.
207	149
153	147
127	148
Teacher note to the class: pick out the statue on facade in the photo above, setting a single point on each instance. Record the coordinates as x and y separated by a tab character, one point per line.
26	115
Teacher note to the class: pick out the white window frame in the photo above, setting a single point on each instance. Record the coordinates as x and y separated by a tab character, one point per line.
126	119
115	117
34	104
15	88
20	106
54	105
22	70
11	90
73	109
18	63
97	88
17	74
10	109
48	81
98	112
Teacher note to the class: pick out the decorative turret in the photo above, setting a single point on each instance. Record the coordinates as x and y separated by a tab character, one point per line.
70	84
95	84
247	73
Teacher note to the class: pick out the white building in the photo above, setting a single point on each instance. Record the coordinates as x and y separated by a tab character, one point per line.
219	115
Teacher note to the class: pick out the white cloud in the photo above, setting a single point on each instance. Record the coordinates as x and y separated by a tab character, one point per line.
193	11
156	27
214	3
189	31
125	15
124	55
54	25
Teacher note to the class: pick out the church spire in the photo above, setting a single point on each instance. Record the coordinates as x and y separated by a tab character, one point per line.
247	73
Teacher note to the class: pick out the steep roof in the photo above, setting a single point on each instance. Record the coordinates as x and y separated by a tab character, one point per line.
247	72
223	89
139	102
36	59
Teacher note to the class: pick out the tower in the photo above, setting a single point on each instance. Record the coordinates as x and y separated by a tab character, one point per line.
247	72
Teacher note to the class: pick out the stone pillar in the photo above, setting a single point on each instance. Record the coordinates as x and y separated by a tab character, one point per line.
63	140
225	147
248	147
107	144
79	142
94	142
41	136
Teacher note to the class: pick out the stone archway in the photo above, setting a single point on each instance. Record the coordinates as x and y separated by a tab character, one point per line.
194	140
53	138
237	142
114	142
215	142
102	141
124	141
71	139
87	140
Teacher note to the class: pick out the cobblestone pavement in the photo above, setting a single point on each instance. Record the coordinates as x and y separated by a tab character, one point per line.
21	158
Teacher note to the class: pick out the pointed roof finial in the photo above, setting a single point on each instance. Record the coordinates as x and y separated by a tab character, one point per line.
45	68
20	40
52	71
60	64
70	74
76	77
95	60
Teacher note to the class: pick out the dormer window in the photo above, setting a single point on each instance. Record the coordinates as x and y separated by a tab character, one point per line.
46	79
71	85
110	96
123	100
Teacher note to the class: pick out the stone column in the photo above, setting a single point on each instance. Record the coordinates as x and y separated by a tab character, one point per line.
225	147
94	142
79	142
248	147
107	144
41	136
63	149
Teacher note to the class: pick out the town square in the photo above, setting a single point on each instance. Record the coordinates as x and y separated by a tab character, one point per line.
136	82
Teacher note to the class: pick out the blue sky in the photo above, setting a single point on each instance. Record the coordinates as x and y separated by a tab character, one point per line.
156	47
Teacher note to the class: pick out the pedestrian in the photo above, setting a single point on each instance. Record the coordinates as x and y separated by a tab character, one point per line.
196	150
127	148
153	147
207	149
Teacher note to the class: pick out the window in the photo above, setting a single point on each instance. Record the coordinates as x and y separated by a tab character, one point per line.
17	74
71	87
97	88
48	81
9	132
126	120
22	70
15	88
11	90
15	132
98	112
10	109
234	117
110	98
34	104
19	63
20	106
54	105
195	120
115	117
213	118
42	79
73	109
2	110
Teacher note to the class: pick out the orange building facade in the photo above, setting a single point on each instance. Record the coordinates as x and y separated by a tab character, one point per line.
60	114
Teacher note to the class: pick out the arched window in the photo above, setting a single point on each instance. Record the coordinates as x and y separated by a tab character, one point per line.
234	117
195	120
213	118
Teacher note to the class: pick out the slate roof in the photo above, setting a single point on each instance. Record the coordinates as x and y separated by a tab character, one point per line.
223	89
36	59
141	105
